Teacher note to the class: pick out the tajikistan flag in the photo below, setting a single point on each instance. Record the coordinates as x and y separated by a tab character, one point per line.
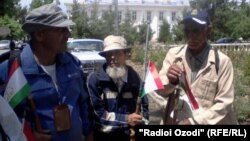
152	80
17	87
185	87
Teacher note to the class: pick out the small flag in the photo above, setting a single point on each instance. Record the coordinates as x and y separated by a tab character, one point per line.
185	87
152	80
27	131
17	87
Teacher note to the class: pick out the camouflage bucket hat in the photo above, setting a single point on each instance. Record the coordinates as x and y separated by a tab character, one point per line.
112	42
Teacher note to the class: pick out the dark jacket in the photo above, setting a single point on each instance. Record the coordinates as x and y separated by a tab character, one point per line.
46	97
111	107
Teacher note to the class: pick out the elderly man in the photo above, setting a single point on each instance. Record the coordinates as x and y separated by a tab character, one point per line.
58	105
114	91
207	71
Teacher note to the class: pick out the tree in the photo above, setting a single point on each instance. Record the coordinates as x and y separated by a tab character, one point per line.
13	25
142	33
38	3
6	5
79	16
165	34
177	33
95	23
127	29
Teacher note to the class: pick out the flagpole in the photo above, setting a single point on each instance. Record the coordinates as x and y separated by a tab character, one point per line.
139	98
145	65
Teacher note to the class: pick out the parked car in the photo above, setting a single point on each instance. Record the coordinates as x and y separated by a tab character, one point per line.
4	44
225	40
87	50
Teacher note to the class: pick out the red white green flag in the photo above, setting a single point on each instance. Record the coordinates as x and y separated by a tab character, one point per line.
17	87
185	87
152	80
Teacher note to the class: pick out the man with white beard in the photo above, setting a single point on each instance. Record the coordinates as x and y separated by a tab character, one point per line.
114	90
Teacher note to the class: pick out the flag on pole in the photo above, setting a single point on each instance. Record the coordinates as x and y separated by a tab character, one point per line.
185	87
17	87
27	131
16	90
152	80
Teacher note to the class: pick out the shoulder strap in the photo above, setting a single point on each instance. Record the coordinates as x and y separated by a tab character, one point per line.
217	59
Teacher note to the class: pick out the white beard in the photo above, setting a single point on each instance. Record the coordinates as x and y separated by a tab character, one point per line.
116	73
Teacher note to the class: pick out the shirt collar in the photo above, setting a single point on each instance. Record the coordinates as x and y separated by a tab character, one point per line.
201	56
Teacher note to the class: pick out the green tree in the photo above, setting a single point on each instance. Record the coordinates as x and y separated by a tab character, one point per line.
8	7
142	33
38	3
127	29
95	23
13	25
178	35
108	22
164	34
79	16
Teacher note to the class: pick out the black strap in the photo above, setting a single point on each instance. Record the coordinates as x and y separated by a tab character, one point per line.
217	59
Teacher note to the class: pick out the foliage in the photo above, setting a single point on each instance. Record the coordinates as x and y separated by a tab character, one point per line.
127	30
99	26
13	25
37	3
164	35
79	16
142	33
7	5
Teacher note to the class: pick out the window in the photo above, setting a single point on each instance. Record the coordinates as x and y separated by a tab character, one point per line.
149	16
92	14
161	16
173	16
134	15
119	16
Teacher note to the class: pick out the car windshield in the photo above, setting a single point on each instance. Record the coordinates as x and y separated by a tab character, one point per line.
85	45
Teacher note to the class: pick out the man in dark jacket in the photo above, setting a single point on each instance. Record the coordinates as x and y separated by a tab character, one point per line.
114	91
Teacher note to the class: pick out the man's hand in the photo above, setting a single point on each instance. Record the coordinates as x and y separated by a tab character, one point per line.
134	119
173	74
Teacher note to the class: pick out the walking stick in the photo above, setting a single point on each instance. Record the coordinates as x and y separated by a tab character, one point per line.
172	105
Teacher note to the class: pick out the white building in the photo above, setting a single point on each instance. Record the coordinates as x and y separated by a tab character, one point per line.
154	11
